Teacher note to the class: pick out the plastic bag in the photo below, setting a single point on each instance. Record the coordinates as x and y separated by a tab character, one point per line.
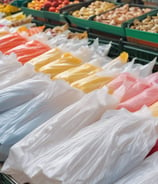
22	92
145	173
46	58
18	75
10	41
100	153
29	50
147	97
78	73
92	82
8	64
65	62
18	122
61	127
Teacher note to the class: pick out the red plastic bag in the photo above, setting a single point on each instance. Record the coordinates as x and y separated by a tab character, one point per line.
10	41
29	50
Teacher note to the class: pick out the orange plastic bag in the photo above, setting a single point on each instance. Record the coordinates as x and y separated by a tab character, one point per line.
10	41
78	73
29	50
147	97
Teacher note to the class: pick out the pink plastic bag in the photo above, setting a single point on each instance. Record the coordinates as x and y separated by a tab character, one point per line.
130	89
147	97
119	80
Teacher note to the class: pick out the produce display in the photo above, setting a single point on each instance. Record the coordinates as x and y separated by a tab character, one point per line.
16	20
119	15
8	9
149	24
71	114
94	8
50	5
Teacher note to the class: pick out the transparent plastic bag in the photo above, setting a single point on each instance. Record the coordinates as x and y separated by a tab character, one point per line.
18	122
22	92
60	128
18	75
100	153
145	173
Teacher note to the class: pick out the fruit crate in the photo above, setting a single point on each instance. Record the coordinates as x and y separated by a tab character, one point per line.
114	30
142	37
17	3
37	14
78	22
57	18
5	179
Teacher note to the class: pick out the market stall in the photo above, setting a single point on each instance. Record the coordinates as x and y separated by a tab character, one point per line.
78	92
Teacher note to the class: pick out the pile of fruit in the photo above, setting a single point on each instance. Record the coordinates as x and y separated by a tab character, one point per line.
94	8
8	9
50	5
150	24
119	15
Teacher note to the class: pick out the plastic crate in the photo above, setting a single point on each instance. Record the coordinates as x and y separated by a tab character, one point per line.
5	179
142	37
34	13
18	3
115	30
78	22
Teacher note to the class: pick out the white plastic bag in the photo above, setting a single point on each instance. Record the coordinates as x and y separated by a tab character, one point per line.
22	92
145	173
60	128
8	63
100	153
20	74
20	121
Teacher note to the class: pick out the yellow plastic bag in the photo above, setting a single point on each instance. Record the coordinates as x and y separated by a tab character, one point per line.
66	62
78	73
92	82
47	57
154	109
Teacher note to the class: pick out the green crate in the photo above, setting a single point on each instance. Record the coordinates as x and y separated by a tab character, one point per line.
18	3
54	16
28	11
5	179
119	31
142	37
78	22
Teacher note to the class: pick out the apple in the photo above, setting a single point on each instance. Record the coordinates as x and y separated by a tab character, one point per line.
52	9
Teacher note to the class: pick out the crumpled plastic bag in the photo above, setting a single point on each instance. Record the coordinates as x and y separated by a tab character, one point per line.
78	73
148	97
8	64
18	122
145	173
18	75
60	128
10	41
65	62
29	50
22	92
100	153
46	58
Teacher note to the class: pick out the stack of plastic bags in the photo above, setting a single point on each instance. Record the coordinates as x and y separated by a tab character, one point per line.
56	112
99	153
